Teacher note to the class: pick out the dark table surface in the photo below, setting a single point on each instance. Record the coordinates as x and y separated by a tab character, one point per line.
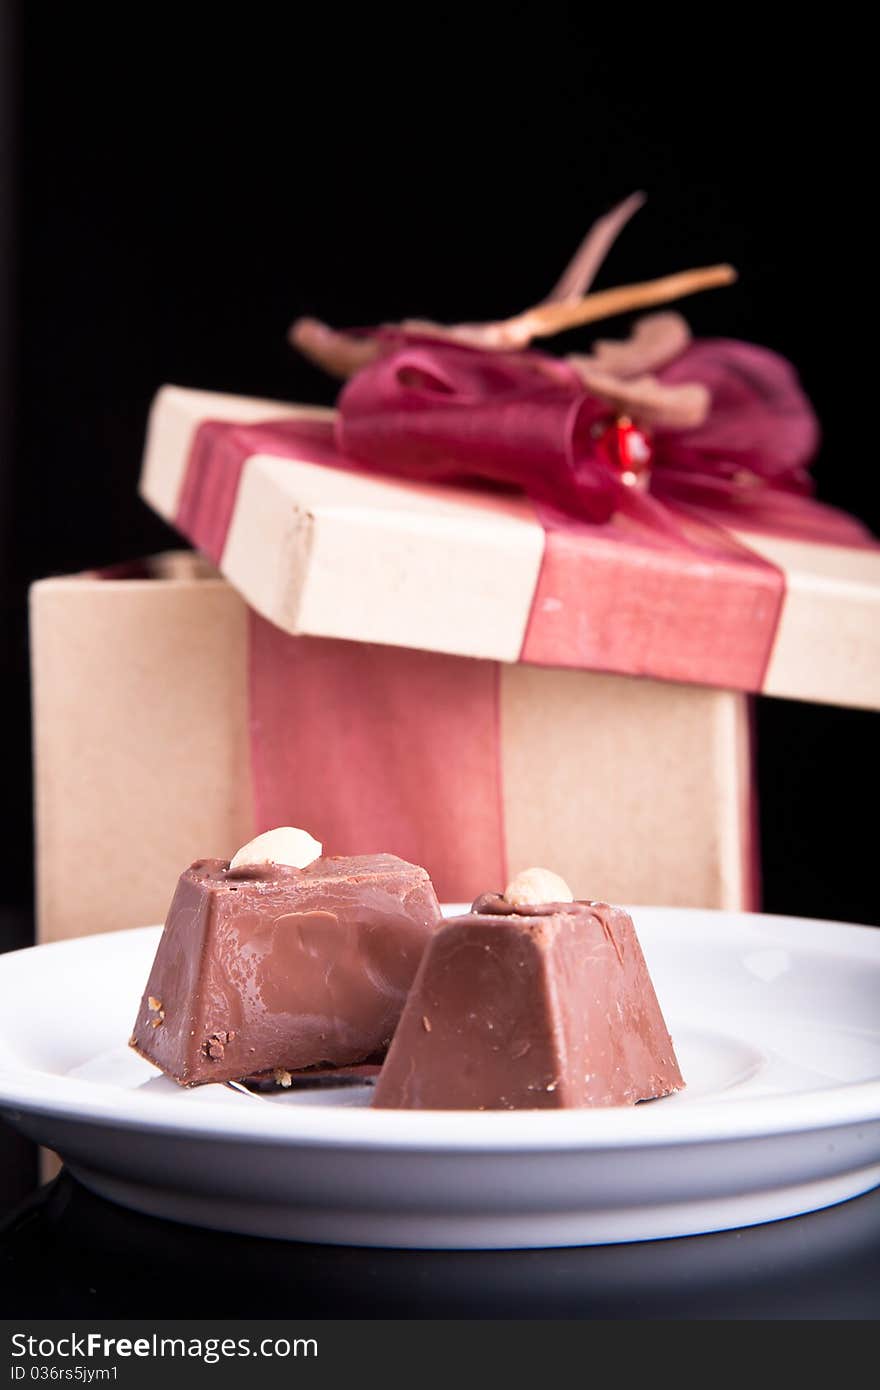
67	1253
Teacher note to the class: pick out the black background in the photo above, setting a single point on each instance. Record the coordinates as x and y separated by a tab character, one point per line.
184	193
178	193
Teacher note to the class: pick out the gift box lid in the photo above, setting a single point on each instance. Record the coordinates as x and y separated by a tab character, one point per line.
321	547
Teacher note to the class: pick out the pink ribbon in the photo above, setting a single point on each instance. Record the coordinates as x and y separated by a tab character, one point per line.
380	749
444	413
440	411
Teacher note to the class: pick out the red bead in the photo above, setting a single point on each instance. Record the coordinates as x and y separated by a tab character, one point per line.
626	449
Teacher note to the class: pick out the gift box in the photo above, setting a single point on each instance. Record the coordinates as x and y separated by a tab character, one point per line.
151	735
448	671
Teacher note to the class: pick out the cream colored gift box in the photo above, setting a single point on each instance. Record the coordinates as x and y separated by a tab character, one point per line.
636	786
635	790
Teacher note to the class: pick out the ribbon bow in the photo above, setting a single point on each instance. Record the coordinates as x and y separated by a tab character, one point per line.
659	426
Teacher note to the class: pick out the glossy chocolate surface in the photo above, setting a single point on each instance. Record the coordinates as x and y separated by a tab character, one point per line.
276	967
530	1008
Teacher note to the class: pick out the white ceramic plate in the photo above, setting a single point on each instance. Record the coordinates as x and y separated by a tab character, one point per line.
776	1023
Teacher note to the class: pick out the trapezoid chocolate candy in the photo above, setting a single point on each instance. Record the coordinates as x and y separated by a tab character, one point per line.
266	966
525	1005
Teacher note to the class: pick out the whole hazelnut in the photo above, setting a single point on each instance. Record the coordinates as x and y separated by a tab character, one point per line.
532	887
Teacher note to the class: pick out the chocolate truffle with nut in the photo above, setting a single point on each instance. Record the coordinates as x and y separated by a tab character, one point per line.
530	1001
283	959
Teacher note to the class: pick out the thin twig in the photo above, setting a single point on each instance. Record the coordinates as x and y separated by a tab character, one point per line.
581	270
547	319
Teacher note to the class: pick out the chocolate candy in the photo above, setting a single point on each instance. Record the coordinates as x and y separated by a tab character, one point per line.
271	968
525	1007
